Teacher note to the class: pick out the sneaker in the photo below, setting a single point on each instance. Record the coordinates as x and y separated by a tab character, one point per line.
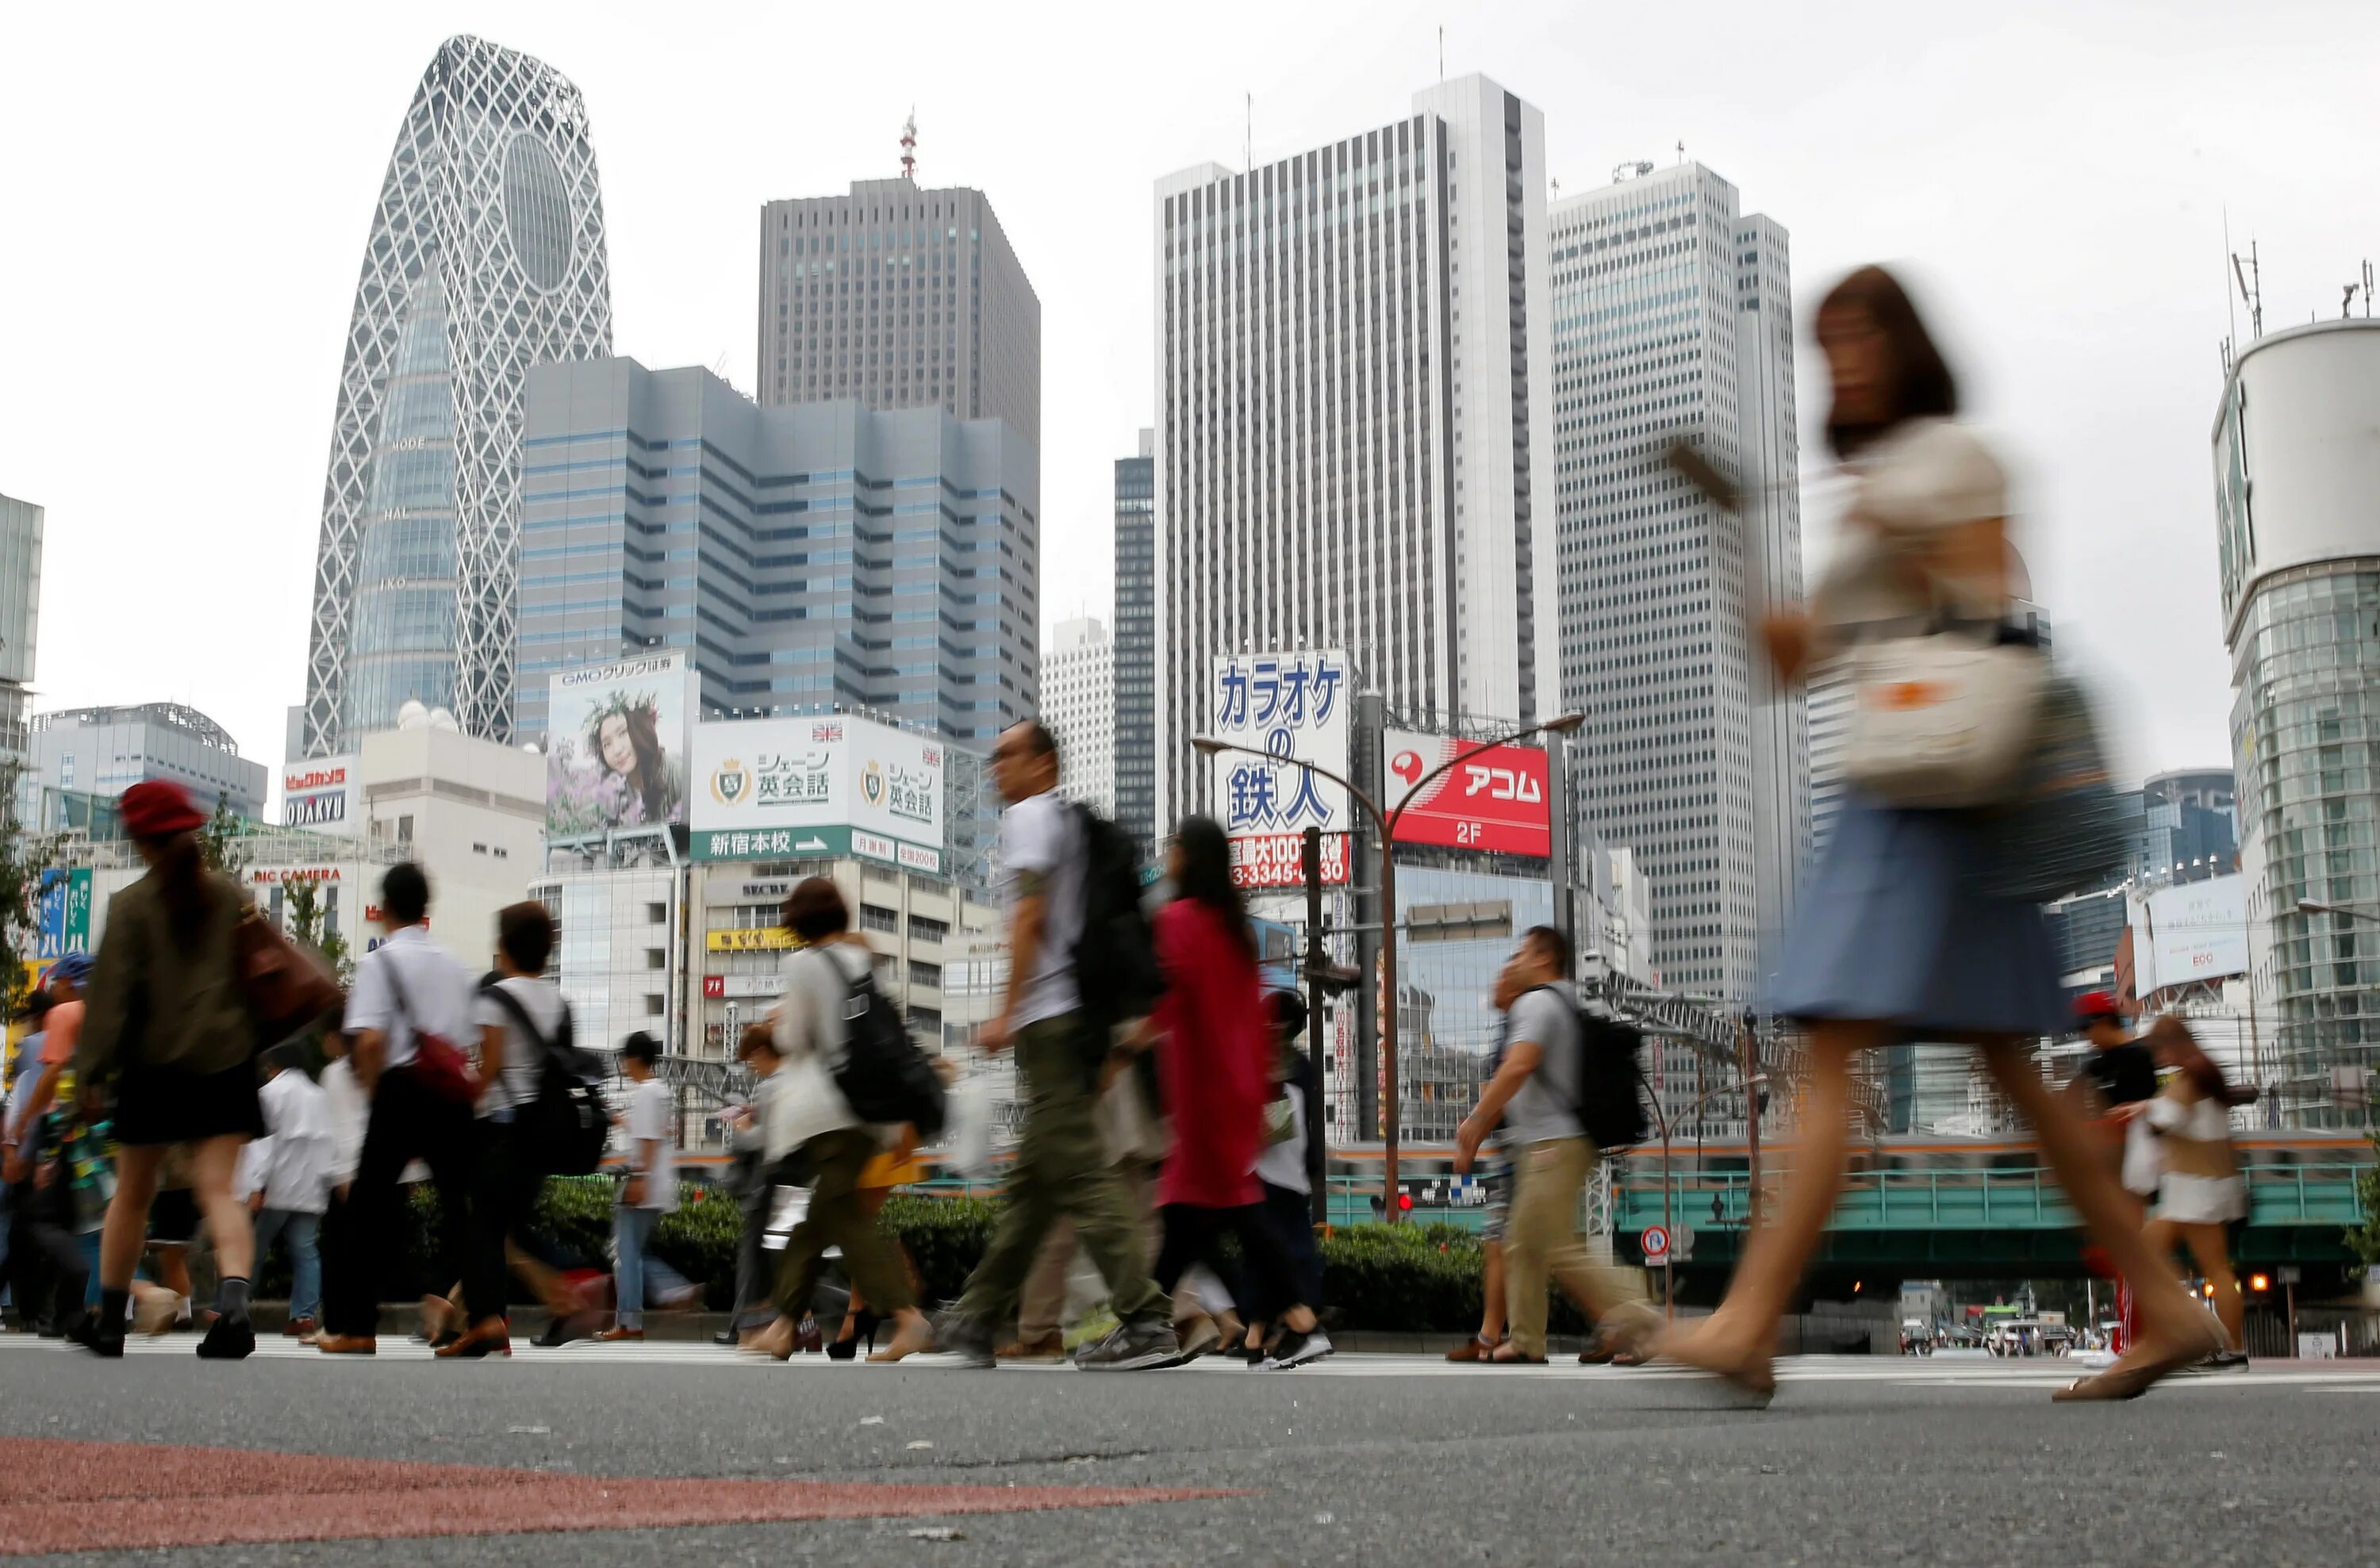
1141	1346
2226	1361
1296	1350
228	1339
1050	1346
966	1338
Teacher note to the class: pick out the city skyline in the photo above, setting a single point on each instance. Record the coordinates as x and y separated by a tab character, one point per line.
2094	355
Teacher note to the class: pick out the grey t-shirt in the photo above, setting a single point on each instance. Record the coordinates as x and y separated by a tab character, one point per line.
1040	836
1541	1110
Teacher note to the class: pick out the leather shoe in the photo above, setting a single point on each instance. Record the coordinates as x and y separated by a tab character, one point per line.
346	1345
616	1333
493	1337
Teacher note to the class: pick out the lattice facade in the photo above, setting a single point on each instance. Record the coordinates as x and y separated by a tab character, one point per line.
486	256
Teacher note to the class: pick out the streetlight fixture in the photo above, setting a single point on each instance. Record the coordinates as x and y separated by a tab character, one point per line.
2311	907
1208	745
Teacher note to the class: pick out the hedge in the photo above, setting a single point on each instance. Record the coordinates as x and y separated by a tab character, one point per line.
1399	1279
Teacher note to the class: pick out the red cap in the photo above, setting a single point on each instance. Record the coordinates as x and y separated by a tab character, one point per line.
158	808
2095	1005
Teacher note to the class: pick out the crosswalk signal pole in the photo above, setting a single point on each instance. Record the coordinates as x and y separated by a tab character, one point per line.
1317	1161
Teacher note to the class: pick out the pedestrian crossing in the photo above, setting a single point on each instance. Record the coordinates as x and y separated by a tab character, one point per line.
1983	1374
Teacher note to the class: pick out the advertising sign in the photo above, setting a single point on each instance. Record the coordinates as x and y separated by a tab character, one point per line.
757	939
743	987
1278	860
1289	707
322	794
2188	932
63	923
1494	799
817	786
616	745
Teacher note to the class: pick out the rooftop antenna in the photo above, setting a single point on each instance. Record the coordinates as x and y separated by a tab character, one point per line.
1248	134
2367	291
1681	149
1441	51
2347	304
909	147
2252	292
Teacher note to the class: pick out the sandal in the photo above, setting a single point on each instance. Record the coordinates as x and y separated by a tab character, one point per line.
2130	1382
1476	1348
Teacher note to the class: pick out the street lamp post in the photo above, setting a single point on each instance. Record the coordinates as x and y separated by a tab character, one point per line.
1207	745
1751	1085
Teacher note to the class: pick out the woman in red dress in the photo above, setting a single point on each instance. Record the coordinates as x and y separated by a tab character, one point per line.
1215	1052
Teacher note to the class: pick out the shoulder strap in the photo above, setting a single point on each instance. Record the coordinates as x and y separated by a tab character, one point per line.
514	1006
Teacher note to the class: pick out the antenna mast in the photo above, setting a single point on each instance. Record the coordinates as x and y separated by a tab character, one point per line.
909	147
2252	293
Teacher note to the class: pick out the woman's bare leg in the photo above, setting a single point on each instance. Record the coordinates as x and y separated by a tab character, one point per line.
212	1166
2212	1248
126	1229
1491	1316
2168	1317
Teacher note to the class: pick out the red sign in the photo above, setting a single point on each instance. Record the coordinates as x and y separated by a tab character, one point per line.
714	986
1278	860
1493	799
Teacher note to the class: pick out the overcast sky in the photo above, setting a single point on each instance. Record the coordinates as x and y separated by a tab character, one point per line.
185	193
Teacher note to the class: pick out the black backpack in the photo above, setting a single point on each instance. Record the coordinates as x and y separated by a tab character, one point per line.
1609	1103
1115	956
564	1129
883	1075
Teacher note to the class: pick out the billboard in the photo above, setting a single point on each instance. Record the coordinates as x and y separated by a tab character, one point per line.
823	787
2188	932
323	794
1278	860
1491	800
616	745
64	916
1291	708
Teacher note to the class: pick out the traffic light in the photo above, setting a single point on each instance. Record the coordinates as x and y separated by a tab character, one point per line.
1405	1202
2259	1283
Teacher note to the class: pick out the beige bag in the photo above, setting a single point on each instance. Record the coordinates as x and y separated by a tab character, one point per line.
1942	720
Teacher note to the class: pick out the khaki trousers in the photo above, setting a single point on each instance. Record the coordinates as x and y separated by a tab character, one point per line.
1542	1243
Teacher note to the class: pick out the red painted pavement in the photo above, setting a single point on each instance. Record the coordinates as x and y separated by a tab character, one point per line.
62	1496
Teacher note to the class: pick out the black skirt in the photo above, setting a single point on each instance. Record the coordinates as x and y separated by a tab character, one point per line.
156	1105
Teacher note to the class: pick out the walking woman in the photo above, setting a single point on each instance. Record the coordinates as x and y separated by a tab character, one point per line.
1215	1052
1895	937
2199	1191
168	1024
813	1125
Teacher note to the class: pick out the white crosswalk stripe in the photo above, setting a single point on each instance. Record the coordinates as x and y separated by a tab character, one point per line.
1926	1373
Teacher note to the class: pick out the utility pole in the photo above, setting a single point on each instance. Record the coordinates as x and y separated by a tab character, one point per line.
1317	1165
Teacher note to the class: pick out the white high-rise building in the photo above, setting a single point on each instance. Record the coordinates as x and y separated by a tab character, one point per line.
1078	706
1354	418
1831	716
1672	317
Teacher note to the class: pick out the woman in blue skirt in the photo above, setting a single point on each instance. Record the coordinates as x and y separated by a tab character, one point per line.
1895	939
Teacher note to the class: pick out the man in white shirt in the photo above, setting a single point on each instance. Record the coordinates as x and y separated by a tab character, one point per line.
408	990
1062	1164
651	1190
286	1178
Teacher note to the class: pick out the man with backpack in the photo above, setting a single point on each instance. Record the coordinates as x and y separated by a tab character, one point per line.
1078	951
408	1021
1562	1079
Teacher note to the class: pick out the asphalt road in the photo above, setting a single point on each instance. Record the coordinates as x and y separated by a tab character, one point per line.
1360	1460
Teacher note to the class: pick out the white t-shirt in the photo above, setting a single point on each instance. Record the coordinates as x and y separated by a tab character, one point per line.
1040	836
652	1116
1542	1110
524	1056
437	990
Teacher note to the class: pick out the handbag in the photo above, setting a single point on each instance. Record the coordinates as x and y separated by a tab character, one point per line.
1943	720
439	1065
286	988
2065	829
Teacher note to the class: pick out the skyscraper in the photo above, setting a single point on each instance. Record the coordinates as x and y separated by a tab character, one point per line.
1078	704
899	298
809	558
1673	317
20	618
1352	407
1135	644
486	256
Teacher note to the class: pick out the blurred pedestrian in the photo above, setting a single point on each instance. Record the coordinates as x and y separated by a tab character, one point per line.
649	1190
894	1166
288	1174
408	1027
1535	1094
1061	1165
2111	1088
169	1025
1895	937
814	1126
1288	1187
1216	1046
2199	1191
1496	1181
753	1186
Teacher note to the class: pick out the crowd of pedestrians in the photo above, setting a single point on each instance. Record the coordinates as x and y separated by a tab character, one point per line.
1165	1109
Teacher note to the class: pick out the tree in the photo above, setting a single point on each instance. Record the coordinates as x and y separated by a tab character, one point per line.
24	857
219	839
2363	1238
310	926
